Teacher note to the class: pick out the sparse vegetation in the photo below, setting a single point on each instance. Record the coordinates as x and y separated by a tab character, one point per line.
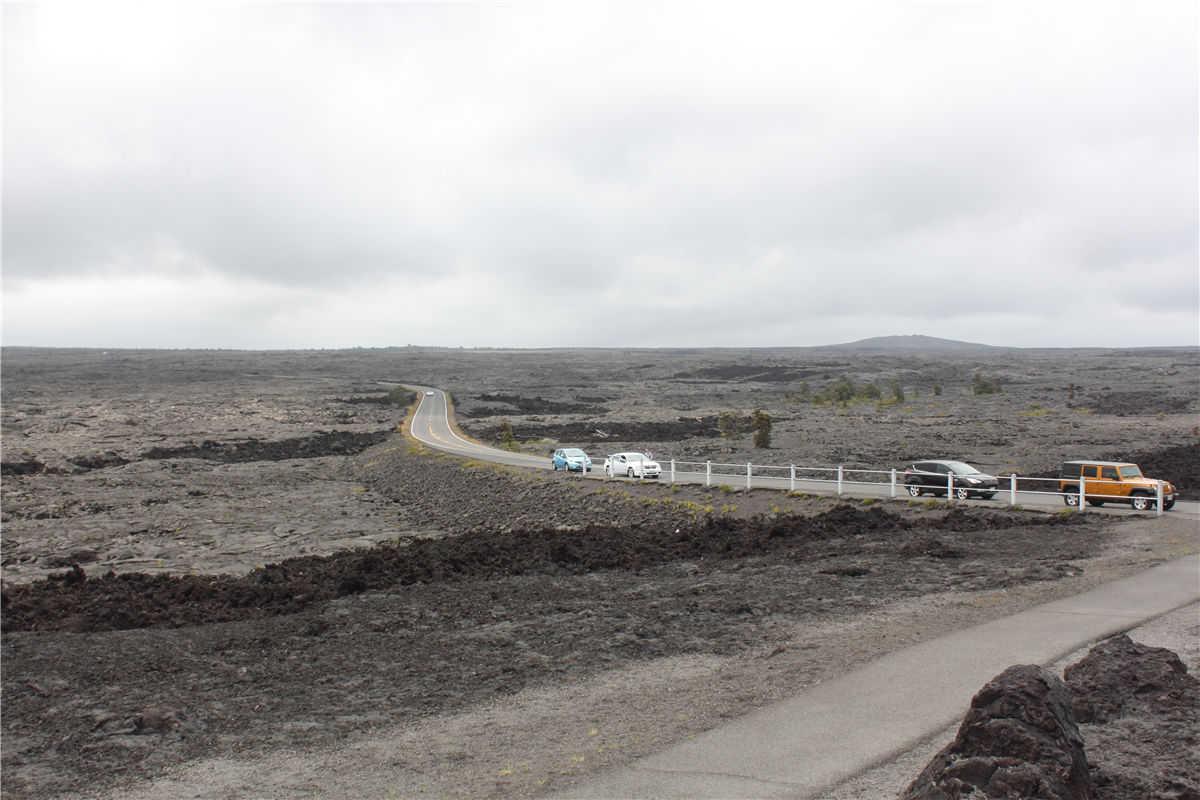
981	385
508	439
762	428
730	424
402	397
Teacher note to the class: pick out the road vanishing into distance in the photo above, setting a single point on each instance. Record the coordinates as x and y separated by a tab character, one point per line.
431	426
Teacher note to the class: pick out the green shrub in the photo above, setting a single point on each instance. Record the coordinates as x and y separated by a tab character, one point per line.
842	392
762	428
982	385
729	423
508	439
399	396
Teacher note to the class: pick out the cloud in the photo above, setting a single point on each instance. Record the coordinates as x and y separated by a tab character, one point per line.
764	174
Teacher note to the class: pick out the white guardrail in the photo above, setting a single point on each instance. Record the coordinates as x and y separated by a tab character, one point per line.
795	478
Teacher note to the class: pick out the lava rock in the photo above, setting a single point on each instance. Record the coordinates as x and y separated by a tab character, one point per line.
1018	740
1131	700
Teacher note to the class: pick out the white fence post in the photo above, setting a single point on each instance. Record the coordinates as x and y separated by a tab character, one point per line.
839	480
893	489
1158	505
1012	489
950	487
749	469
792	484
1082	491
672	470
708	473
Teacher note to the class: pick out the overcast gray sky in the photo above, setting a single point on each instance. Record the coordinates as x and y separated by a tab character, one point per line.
307	175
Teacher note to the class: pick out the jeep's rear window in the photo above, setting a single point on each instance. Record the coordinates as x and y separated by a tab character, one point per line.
1071	470
1131	471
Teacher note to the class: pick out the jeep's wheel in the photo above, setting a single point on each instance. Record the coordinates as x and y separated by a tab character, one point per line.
1141	502
962	493
1071	497
1168	505
914	490
1096	503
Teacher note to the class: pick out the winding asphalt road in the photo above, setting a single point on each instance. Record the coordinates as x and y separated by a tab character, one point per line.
431	426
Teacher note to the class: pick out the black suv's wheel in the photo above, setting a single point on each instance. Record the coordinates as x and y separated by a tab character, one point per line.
914	490
1140	502
962	493
988	495
1071	497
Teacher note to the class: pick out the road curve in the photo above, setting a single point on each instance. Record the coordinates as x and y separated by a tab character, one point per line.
431	426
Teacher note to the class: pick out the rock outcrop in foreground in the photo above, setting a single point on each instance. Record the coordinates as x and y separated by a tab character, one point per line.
1099	733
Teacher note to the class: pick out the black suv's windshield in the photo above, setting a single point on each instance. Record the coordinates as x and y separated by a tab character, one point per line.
959	468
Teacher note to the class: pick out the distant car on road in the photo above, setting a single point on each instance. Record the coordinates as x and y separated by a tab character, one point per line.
631	465
932	477
429	394
572	459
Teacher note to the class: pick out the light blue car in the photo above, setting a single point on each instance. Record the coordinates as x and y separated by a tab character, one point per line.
572	459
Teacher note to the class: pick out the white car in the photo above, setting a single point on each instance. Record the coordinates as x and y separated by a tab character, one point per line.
631	465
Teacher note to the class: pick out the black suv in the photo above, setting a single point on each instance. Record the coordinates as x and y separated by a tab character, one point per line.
932	477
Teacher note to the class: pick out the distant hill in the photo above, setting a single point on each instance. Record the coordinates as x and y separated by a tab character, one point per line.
912	342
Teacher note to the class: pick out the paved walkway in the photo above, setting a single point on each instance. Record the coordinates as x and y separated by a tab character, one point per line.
804	745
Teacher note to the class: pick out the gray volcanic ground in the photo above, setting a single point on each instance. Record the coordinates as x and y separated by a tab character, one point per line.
234	563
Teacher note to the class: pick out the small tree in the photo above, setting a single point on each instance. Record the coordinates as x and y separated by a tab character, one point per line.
842	392
762	428
729	423
937	390
508	439
869	391
982	385
897	391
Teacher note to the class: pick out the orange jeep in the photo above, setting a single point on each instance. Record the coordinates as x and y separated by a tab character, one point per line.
1111	481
